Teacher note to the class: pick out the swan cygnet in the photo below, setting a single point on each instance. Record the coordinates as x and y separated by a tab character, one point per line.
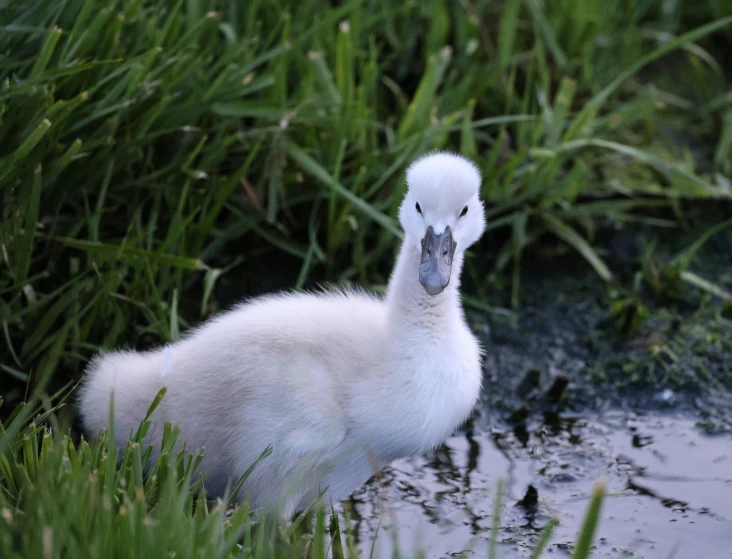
340	383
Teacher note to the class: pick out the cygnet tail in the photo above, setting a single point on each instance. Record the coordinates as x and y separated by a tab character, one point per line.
133	379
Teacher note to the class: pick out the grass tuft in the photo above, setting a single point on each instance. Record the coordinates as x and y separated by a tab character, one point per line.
85	499
154	154
147	146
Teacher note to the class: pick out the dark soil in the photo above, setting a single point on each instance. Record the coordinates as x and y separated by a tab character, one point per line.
573	394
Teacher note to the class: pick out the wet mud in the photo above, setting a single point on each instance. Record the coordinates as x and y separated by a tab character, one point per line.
570	397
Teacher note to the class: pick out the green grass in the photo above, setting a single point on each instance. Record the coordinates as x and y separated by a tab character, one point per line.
149	151
61	499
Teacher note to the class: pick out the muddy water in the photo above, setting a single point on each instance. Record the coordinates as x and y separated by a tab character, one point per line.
637	411
670	486
650	412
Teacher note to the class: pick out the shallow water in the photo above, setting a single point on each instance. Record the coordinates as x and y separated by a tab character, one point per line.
670	487
628	415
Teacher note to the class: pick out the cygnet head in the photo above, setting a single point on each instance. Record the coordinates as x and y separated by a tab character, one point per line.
441	213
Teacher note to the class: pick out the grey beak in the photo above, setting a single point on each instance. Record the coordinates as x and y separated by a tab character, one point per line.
437	253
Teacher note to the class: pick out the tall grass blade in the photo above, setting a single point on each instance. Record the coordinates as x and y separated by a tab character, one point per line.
571	237
419	109
314	169
590	523
594	104
544	538
507	32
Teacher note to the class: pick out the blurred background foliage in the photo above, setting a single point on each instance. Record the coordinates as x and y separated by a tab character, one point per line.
151	152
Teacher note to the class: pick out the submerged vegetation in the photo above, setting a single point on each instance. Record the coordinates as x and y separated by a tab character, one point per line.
153	155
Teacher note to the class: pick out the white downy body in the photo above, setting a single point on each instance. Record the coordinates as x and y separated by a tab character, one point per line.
340	383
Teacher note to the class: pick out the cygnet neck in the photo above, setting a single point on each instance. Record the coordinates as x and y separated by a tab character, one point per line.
409	302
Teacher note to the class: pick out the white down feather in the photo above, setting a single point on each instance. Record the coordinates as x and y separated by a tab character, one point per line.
340	383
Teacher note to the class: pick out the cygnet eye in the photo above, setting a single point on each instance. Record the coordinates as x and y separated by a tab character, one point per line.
465	210
419	210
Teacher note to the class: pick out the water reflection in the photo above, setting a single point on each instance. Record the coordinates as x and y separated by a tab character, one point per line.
670	486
